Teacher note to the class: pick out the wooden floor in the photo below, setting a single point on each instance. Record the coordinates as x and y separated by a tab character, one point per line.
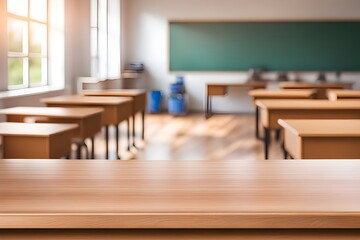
192	137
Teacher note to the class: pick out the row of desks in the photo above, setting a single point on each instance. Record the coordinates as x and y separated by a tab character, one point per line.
90	112
319	89
180	199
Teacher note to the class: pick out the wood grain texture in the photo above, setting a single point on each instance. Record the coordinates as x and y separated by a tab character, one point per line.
220	89
115	109
34	129
139	96
321	87
308	104
322	128
88	119
335	95
180	234
78	113
287	94
273	110
317	85
179	194
83	100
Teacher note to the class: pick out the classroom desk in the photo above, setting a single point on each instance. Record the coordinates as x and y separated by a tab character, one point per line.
29	140
321	87
139	103
88	120
116	110
335	95
221	89
273	110
322	139
163	199
261	94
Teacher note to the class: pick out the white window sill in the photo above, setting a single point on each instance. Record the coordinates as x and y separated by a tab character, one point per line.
28	92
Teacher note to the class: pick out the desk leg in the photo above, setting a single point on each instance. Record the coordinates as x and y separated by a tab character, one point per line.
133	129
78	151
257	117
117	135
208	107
277	134
286	154
143	124
93	148
107	141
266	142
128	134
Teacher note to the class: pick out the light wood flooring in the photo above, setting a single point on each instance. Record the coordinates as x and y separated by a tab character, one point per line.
192	137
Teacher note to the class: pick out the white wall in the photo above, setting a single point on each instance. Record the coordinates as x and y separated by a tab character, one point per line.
146	35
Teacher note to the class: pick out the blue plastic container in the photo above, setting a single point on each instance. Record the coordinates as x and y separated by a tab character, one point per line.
177	104
155	101
176	88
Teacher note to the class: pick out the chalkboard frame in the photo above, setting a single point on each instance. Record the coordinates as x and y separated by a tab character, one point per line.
265	20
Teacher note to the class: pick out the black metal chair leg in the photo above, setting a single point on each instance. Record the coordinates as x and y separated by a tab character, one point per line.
277	134
128	134
93	148
266	142
107	141
117	130
257	118
133	130
143	124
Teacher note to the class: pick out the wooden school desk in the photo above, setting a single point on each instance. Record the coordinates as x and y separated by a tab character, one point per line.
322	139
273	110
139	103
261	94
36	140
88	120
221	89
166	199
115	111
321	87
335	95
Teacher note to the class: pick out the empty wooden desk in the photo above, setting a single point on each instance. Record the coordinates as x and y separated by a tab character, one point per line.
139	103
273	110
321	87
261	94
335	95
221	89
88	120
115	111
28	140
322	139
159	199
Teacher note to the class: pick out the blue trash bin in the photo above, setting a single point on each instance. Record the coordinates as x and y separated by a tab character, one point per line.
177	104
155	101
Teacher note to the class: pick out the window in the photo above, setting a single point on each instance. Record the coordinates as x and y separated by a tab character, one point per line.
105	39
27	43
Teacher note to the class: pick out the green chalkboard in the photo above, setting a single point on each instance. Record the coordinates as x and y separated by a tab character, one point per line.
276	46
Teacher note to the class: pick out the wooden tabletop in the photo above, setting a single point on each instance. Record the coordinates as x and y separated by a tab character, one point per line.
281	93
83	100
308	104
77	113
115	92
322	128
244	84
179	194
34	129
343	94
303	85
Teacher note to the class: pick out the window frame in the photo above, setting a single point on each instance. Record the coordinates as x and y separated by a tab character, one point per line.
29	56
